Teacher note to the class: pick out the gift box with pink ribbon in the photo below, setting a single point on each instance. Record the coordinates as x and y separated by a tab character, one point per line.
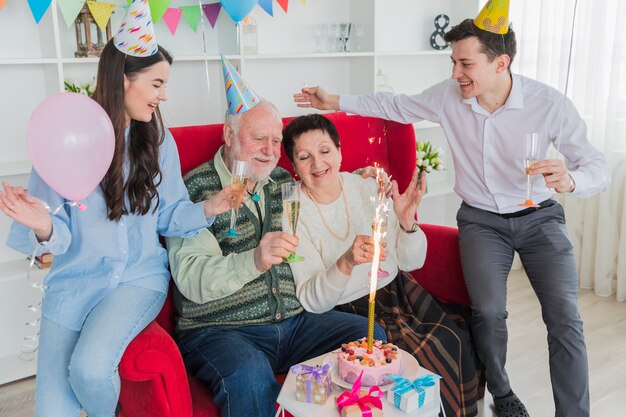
421	393
355	403
312	383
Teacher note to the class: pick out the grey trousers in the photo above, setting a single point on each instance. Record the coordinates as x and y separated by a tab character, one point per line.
487	244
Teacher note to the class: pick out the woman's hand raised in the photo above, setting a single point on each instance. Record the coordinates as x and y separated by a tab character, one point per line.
27	210
405	205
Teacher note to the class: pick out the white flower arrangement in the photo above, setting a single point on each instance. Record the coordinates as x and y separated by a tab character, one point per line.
86	89
427	158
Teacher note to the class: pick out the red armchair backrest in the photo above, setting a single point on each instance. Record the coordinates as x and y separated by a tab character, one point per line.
364	141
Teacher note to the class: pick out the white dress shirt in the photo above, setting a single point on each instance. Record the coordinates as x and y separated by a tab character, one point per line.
488	148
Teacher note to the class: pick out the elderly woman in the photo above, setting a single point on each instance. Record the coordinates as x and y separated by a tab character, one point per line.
335	231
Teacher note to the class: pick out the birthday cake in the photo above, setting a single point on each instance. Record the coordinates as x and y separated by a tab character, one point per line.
382	361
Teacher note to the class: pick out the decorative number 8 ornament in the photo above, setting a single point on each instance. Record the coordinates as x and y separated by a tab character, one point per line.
439	32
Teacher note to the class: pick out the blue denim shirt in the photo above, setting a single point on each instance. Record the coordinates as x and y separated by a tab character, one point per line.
93	255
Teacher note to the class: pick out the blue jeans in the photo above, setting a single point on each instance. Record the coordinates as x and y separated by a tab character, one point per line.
238	364
77	370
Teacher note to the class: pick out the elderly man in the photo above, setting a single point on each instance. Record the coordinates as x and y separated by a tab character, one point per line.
240	320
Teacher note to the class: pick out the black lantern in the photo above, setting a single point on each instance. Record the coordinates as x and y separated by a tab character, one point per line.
86	28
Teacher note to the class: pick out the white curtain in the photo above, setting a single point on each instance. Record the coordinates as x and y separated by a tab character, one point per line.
597	85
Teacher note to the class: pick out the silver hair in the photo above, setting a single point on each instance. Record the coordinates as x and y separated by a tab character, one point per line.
234	120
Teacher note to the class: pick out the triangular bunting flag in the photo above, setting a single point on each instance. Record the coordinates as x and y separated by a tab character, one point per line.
69	9
191	14
101	12
2	3
38	8
157	8
284	4
171	18
212	11
267	6
303	2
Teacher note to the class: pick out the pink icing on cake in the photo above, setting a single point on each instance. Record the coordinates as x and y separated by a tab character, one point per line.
353	358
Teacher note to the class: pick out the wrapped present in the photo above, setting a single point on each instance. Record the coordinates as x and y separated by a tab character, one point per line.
409	395
312	383
355	403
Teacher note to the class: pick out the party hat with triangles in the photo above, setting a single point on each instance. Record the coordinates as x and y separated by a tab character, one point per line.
239	96
494	17
136	35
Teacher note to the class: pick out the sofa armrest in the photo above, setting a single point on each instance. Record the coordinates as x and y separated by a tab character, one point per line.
441	274
153	377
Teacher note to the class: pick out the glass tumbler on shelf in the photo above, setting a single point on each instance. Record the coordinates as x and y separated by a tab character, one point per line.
531	155
343	34
358	33
333	36
320	34
240	174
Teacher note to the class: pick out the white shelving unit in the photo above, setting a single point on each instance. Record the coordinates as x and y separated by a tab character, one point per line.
36	59
16	294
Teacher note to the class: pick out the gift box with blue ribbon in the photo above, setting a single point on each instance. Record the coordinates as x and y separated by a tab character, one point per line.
420	393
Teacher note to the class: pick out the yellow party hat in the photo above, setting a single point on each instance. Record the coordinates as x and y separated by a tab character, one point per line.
494	17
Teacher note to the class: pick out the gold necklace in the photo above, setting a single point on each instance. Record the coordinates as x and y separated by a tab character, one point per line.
319	211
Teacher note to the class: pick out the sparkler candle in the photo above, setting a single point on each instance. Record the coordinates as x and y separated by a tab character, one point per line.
377	233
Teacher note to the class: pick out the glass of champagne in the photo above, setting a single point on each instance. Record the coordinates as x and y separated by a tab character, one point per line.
291	211
531	155
240	174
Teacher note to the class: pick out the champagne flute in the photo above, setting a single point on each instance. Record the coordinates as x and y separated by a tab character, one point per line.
531	155
240	174
291	211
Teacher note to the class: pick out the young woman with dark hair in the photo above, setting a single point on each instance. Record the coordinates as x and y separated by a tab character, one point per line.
110	276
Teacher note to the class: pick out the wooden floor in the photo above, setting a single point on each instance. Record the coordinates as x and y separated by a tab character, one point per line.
605	333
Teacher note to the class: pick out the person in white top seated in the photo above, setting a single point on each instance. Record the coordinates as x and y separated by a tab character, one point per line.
335	233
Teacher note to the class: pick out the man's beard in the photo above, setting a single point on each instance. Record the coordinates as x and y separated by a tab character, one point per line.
260	173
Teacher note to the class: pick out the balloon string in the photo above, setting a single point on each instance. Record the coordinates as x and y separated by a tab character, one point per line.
238	30
206	57
31	337
557	145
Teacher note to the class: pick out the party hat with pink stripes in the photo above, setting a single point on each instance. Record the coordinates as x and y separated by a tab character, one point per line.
136	35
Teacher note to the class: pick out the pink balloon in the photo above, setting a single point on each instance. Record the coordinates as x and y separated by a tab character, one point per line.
70	142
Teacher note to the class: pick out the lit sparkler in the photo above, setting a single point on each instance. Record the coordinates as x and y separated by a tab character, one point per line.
377	234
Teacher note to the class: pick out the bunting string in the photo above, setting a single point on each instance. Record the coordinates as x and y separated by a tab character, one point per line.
158	8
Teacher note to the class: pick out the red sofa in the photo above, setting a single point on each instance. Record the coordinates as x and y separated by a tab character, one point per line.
153	378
